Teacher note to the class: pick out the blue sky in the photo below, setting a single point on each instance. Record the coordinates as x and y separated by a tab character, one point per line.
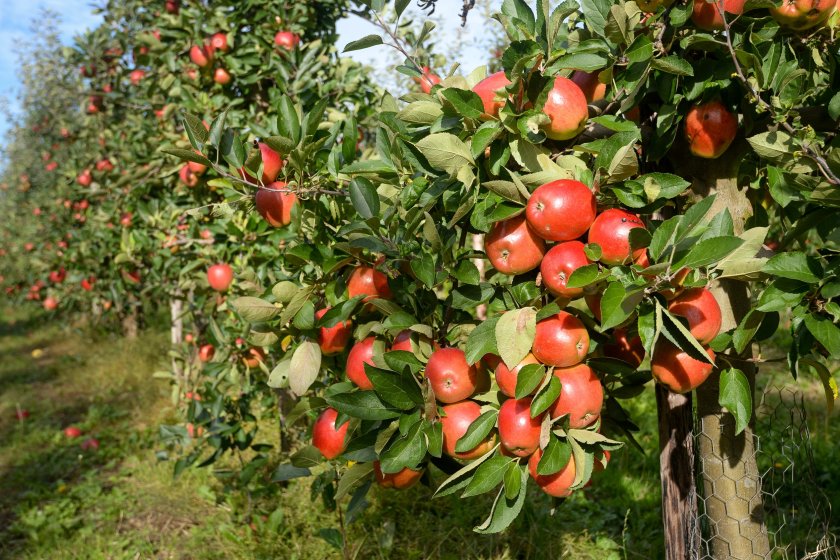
76	16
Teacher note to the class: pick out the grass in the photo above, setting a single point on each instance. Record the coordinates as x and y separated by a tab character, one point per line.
121	501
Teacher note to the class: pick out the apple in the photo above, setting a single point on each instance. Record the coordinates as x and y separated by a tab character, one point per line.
506	378
512	246
287	40
51	166
220	276
90	444
136	76
677	370
125	219
456	420
406	478
105	165
50	303
558	265
450	376
700	308
333	340
133	276
85	178
800	15
200	56
591	86
221	77
492	94
219	41
272	164
561	340
72	432
87	283
369	282
253	357
611	231
187	176
561	210
427	80
567	110
518	432
172	6
624	347
329	440
710	128
706	15
558	484
206	352
195	167
581	396
360	354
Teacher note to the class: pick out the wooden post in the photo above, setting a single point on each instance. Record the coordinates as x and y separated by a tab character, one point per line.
676	467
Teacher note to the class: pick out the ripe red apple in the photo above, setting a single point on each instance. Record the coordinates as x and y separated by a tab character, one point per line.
287	40
125	219
136	76
559	264
406	478
253	357
51	166
219	41
561	340
187	176
368	281
626	348
87	283
566	107
800	15
200	56
360	354
707	16
558	484
710	128
456	420
206	352
105	165
506	378
332	340
512	246
172	6
402	341
50	303
85	178
329	440
519	433
72	432
195	167
492	92
701	310
427	80
611	231
221	77
593	89
220	276
561	210
450	376
678	371
581	396
90	444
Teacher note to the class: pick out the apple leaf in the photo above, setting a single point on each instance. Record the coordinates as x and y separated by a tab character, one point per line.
477	431
304	366
505	509
736	396
515	333
488	476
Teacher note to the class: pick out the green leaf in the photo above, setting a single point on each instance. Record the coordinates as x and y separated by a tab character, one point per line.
678	334
746	330
528	379
794	266
596	13
546	396
482	340
825	331
287	471
673	64
504	510
513	480
363	43
446	152
477	431
617	304
254	310
774	146
279	376
399	360
584	276
834	107
195	130
466	102
555	456
304	367
407	451
736	396
298	301
710	251
488	476
461	478
396	389
693	217
640	50
188	155
364	197
663	237
515	333
424	269
352	477
829	383
365	405
781	294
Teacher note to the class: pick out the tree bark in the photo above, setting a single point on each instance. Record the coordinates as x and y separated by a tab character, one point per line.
676	467
176	329
731	480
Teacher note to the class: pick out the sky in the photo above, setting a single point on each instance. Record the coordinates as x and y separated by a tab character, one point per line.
77	15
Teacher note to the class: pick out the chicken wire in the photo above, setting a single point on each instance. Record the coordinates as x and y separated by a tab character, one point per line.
796	511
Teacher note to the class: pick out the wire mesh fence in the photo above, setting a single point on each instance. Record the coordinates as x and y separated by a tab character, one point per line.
785	501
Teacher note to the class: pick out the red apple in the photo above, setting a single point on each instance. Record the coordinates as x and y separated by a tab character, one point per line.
333	340
581	396
506	378
206	352
677	370
558	484
611	231
512	246
360	354
85	178
456	420
452	379
406	478
219	41
136	76
558	265
561	210
710	128
700	308
200	56
221	77
220	276
593	89
369	282
492	92
566	107
72	432
90	444
706	15
561	340
287	40
329	440
519	433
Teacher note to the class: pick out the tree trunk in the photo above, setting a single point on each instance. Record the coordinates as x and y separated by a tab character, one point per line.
676	467
731	480
130	321
176	329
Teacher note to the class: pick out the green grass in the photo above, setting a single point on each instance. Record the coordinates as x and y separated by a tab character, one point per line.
57	501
